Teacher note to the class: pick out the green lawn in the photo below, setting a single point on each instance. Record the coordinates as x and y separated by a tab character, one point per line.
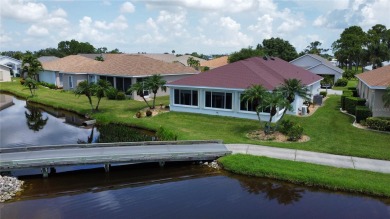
309	174
329	130
351	83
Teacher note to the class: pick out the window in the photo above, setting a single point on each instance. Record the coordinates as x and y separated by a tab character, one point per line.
70	81
248	106
186	97
219	100
142	80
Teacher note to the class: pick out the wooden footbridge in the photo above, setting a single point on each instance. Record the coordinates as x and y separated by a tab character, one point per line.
50	156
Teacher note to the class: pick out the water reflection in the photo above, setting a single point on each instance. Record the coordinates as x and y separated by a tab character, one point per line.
5	101
180	191
284	193
34	117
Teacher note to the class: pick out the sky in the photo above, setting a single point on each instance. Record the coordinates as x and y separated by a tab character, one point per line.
186	26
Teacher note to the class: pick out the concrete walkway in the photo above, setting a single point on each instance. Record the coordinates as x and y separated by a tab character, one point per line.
312	157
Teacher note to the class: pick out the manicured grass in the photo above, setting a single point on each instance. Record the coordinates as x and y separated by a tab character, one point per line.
329	130
351	180
351	83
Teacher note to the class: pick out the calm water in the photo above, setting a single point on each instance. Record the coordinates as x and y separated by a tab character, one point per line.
178	190
23	124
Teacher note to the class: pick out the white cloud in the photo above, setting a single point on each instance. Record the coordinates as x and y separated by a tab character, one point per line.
5	38
233	6
120	23
365	13
263	27
168	25
22	10
127	7
37	31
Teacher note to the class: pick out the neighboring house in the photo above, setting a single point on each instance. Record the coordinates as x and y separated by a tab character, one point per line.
318	65
67	72
369	67
171	58
121	70
14	64
372	86
47	58
5	73
218	91
215	63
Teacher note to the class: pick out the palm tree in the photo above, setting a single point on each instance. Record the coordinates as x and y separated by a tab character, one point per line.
139	88
255	94
31	84
31	65
274	101
386	97
35	121
292	87
87	89
100	90
154	83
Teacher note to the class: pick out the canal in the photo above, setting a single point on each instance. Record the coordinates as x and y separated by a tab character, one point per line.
177	190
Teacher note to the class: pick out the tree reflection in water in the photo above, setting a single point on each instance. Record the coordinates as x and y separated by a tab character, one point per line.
35	119
284	193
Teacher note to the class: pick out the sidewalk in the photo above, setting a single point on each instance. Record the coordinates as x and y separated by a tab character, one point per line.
312	157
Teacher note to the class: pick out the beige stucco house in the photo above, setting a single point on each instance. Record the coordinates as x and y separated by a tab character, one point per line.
121	70
372	85
5	73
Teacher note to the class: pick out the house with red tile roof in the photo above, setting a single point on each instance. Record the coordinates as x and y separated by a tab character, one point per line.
372	85
218	91
319	66
121	70
215	63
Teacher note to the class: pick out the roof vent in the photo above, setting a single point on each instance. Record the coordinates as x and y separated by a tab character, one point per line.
265	57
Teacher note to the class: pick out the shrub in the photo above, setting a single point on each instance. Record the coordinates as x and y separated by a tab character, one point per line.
148	113
295	133
354	91
323	93
378	123
121	96
138	114
341	82
362	113
342	99
349	74
45	84
285	126
111	93
165	135
22	81
351	103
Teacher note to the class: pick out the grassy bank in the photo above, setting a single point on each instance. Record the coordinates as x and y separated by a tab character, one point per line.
329	130
309	174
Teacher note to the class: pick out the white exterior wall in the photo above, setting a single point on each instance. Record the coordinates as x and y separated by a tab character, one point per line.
373	100
76	78
378	109
48	77
325	70
5	74
13	63
234	112
306	61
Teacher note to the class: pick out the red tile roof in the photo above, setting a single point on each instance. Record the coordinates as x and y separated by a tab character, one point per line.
379	77
269	73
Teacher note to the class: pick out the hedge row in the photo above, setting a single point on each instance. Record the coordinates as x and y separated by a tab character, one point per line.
378	123
352	102
362	113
